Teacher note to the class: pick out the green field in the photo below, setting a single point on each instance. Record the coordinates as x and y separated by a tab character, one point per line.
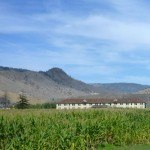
78	129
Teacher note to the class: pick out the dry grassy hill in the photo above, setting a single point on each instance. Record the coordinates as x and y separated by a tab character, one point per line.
56	84
42	86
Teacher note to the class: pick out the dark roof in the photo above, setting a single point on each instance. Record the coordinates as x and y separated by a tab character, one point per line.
100	100
131	100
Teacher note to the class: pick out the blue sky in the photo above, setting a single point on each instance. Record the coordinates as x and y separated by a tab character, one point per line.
92	40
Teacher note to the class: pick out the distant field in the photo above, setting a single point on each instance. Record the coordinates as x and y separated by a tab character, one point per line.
78	129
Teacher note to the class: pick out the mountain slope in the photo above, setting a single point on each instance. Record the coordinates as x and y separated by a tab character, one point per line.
145	91
54	83
60	77
121	87
34	84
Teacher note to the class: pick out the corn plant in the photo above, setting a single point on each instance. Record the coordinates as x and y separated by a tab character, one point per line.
73	129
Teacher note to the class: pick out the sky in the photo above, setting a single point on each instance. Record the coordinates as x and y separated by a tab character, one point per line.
96	41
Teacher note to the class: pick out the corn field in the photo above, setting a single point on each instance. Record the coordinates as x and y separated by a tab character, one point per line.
73	129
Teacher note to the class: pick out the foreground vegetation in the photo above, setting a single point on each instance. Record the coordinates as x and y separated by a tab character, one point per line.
78	129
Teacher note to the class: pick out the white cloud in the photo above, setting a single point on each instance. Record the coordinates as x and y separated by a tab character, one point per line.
99	27
126	34
77	40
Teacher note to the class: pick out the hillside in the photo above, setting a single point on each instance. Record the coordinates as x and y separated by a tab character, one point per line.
145	91
60	77
122	87
56	84
52	84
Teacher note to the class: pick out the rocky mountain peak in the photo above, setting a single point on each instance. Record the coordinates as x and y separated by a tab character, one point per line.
58	75
56	71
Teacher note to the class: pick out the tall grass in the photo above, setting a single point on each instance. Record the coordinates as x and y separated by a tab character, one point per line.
78	129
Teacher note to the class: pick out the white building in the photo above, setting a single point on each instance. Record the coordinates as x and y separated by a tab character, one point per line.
100	103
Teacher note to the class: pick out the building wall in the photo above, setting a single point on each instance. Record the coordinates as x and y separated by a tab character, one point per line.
73	106
117	105
129	105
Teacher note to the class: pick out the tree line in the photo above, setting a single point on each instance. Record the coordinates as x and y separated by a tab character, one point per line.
23	103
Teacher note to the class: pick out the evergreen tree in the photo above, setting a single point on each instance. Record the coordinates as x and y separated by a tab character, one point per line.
23	102
6	100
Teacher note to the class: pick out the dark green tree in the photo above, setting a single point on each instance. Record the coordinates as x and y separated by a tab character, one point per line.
6	100
23	102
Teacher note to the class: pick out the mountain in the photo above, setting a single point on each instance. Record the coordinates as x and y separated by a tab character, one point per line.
121	87
60	77
56	84
145	91
52	84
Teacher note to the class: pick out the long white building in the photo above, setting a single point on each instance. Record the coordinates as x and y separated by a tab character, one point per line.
100	103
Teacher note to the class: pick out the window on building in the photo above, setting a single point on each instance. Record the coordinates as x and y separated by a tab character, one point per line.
73	104
65	104
59	104
141	103
121	103
79	104
135	103
90	104
127	103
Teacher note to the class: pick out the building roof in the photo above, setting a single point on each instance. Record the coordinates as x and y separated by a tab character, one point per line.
101	100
